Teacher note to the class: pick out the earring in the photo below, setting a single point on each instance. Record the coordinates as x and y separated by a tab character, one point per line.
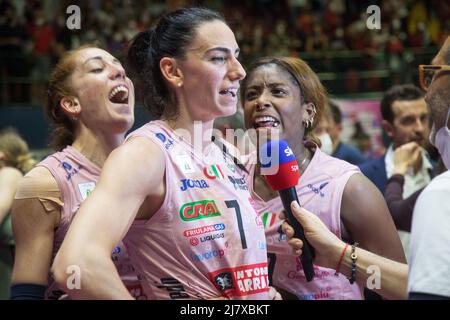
74	117
311	120
179	84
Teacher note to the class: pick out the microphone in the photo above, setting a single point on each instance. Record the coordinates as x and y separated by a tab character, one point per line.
280	168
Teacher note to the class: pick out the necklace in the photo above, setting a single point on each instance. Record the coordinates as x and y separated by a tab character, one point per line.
305	159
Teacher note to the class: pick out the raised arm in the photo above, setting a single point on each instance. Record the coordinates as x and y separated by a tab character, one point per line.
401	209
132	172
366	217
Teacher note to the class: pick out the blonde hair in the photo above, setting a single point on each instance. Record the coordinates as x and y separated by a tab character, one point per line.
15	150
311	89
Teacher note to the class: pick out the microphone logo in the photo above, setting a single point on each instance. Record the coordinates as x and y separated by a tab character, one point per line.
288	152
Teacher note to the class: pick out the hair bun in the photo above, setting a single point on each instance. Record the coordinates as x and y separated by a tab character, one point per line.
141	51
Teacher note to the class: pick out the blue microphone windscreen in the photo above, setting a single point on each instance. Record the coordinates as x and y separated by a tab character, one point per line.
274	153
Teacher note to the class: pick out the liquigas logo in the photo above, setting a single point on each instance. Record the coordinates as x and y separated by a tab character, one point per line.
199	210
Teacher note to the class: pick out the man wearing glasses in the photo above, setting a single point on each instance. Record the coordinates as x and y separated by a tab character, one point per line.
430	232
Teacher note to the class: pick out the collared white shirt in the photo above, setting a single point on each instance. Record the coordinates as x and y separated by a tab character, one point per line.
413	182
430	251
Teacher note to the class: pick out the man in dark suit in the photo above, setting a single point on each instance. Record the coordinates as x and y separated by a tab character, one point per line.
405	119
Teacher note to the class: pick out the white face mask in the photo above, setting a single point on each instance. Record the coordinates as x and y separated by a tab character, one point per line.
327	144
442	141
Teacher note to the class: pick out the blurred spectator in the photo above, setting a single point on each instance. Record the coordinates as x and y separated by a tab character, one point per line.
15	161
329	130
304	28
317	40
361	139
43	37
13	58
342	150
405	119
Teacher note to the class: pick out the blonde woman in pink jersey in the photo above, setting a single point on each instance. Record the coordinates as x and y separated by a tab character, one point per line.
186	217
91	105
284	96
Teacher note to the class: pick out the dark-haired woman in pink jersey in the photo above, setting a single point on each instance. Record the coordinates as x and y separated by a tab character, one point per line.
284	97
174	195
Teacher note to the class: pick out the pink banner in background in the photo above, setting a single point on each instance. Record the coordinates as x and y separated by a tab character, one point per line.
367	113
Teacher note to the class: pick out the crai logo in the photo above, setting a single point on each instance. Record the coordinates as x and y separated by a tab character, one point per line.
199	210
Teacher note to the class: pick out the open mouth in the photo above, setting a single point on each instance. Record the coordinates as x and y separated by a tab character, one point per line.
265	122
119	94
230	91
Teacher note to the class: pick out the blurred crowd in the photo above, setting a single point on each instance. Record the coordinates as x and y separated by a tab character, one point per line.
33	33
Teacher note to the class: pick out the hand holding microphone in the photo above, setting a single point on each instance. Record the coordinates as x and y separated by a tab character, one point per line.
279	166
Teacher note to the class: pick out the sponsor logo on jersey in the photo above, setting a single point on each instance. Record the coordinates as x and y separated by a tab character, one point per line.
205	229
71	171
136	290
86	189
241	281
323	294
190	183
199	210
212	254
168	143
238	183
268	219
211	237
174	287
184	162
319	189
299	274
213	172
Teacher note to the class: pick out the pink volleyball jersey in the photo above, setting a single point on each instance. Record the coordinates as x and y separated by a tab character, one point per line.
206	240
76	177
319	190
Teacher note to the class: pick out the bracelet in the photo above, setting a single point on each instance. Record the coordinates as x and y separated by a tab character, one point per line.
340	260
354	257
